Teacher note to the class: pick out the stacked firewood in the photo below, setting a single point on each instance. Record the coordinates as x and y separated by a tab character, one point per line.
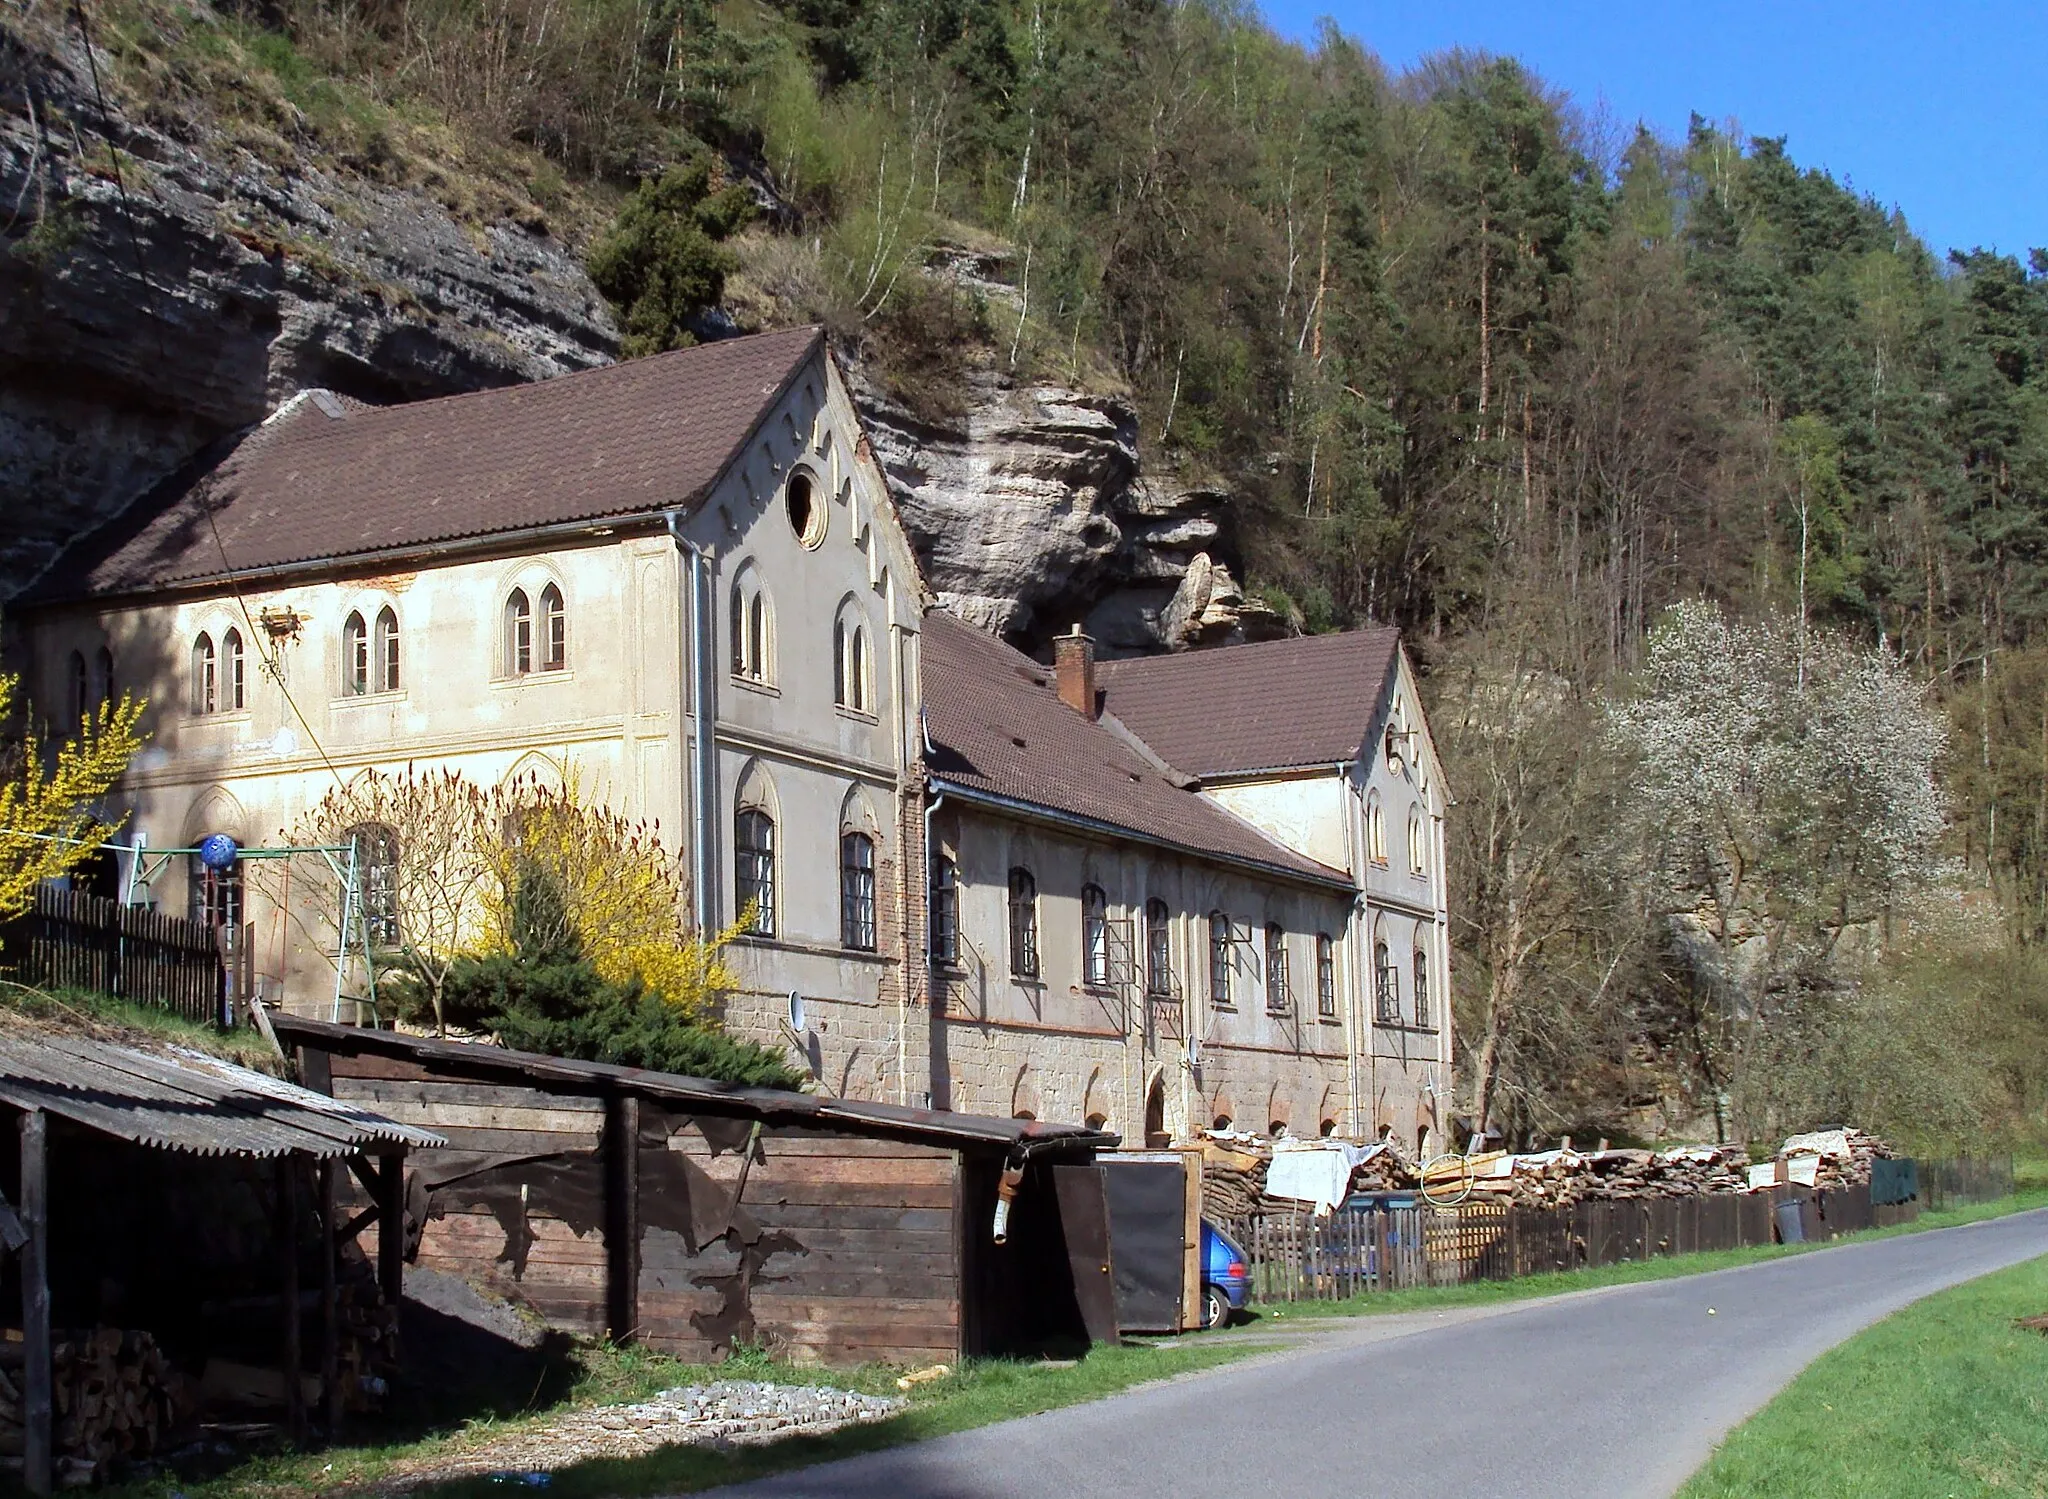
1387	1171
1845	1156
1233	1177
1565	1178
113	1396
244	1371
369	1342
1622	1174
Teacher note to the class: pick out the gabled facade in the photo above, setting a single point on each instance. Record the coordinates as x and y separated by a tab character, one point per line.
1151	896
677	581
1177	901
1322	743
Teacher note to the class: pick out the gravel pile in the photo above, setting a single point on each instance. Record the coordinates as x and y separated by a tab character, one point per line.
727	1413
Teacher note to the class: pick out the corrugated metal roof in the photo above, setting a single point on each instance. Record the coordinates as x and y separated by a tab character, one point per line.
185	1100
772	1105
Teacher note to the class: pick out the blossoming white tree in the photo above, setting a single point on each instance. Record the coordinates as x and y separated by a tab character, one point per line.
1783	814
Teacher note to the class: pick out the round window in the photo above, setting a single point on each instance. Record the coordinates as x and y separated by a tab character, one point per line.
806	510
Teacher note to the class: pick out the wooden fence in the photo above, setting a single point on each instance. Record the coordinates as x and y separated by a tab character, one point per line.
1951	1183
71	940
1295	1257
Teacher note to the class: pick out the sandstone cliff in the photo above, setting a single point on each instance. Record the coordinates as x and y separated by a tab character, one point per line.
159	295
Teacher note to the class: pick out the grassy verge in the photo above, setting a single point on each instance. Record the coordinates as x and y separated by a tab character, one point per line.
1943	1399
979	1392
2031	1180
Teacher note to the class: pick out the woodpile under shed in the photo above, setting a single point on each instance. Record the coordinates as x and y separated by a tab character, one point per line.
114	1396
197	1227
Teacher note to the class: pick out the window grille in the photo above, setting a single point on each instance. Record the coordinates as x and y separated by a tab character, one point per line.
1385	986
205	676
355	655
376	846
215	899
1421	989
554	630
1094	937
387	649
1326	976
857	891
518	635
754	868
945	911
234	676
1023	924
1278	999
1219	960
1158	949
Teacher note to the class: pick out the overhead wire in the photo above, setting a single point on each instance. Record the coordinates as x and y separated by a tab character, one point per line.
272	657
270	653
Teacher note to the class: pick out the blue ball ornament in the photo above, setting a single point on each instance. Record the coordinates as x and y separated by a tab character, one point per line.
217	851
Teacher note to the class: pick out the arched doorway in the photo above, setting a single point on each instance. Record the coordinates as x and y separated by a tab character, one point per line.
1156	1137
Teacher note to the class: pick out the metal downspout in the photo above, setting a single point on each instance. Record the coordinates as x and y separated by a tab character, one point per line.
931	988
1351	969
704	749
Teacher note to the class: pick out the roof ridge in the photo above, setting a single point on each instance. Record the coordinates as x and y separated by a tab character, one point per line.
305	489
1118	665
641	362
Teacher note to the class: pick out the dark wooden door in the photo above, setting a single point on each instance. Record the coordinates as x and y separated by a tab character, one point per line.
1148	1241
1084	1218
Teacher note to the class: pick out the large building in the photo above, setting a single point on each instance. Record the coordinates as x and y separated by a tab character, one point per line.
1154	894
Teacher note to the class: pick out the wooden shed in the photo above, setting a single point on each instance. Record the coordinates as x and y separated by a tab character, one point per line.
175	1203
694	1216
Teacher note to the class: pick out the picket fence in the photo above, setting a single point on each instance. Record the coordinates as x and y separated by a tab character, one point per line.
72	940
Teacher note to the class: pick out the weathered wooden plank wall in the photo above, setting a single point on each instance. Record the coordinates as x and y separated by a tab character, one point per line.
840	1248
830	1246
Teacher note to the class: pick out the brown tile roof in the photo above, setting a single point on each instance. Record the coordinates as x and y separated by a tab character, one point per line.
1265	706
330	479
998	730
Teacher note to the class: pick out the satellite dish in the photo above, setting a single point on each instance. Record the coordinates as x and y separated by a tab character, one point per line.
217	851
796	1011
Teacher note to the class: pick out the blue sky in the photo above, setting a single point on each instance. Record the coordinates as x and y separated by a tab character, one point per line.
1939	109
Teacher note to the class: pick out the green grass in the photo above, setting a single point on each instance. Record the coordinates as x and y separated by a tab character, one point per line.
2031	1181
1944	1399
979	1392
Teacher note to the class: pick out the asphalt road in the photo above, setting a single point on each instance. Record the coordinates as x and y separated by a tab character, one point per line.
1618	1392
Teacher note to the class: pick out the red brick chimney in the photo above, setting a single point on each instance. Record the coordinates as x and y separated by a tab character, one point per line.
1073	671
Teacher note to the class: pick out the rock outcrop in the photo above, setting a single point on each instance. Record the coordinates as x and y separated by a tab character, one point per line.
147	313
1031	513
142	317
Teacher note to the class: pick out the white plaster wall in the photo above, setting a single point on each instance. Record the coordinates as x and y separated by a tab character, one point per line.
1066	1049
1304	812
607	720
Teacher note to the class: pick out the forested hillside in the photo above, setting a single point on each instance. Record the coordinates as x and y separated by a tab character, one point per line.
1458	356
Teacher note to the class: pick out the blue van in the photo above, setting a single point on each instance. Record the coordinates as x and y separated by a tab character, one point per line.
1226	1276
